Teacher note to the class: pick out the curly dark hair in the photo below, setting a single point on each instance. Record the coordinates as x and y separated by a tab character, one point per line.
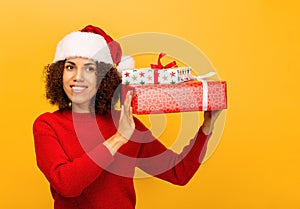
106	97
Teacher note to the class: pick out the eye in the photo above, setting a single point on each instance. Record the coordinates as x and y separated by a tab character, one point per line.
90	69
69	67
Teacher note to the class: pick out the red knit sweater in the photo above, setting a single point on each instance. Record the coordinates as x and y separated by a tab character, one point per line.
84	175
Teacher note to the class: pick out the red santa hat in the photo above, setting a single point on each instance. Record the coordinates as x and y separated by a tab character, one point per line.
93	43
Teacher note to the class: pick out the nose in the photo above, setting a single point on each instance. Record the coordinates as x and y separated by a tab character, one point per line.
79	75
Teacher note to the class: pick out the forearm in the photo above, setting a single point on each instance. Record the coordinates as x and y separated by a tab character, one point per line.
157	160
188	161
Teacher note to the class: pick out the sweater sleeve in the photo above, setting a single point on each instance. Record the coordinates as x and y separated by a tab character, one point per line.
156	160
67	177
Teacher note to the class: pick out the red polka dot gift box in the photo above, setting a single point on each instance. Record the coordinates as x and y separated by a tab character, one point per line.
187	96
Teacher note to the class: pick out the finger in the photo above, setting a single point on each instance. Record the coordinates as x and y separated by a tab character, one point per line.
130	114
127	99
122	111
131	119
127	102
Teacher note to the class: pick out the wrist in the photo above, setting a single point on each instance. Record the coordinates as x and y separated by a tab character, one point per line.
118	138
207	128
114	143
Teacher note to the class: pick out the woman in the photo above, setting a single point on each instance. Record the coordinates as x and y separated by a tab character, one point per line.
87	150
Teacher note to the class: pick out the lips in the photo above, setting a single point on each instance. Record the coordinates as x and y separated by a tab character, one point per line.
78	88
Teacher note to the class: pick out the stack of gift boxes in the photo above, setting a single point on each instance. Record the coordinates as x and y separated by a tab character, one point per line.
161	89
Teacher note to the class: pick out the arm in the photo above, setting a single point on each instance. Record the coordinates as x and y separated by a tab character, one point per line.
70	178
67	177
160	162
155	159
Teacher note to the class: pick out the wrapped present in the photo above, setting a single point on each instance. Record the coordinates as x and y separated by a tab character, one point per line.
183	97
156	76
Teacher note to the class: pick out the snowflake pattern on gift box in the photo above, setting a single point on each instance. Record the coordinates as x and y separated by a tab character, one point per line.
165	77
134	78
150	78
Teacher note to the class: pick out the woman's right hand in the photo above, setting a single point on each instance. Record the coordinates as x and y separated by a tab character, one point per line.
126	122
125	129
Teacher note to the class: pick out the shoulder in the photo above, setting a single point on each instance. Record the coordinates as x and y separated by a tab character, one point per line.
43	117
47	115
50	117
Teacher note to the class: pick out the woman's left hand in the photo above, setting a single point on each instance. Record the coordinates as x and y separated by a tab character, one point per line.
210	118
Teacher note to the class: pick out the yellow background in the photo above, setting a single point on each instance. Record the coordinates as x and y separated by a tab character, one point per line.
254	46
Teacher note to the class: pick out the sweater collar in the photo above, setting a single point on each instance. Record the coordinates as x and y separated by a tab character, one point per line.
82	117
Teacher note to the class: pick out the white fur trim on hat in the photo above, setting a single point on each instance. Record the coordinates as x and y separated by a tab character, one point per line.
83	44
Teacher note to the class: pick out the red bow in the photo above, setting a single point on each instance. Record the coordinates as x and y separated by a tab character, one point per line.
160	66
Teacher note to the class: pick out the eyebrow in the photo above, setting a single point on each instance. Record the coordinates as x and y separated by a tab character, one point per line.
86	64
70	62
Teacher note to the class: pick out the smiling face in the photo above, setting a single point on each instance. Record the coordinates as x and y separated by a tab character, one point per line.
80	82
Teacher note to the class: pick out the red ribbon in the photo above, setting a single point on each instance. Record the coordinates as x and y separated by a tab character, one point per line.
159	66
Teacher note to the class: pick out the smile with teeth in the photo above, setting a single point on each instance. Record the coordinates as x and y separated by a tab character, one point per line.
77	88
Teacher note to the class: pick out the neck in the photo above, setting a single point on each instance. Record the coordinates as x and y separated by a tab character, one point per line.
80	108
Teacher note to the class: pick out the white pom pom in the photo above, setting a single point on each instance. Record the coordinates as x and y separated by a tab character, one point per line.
127	63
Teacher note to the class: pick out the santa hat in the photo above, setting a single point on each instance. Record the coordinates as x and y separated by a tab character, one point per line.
93	43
